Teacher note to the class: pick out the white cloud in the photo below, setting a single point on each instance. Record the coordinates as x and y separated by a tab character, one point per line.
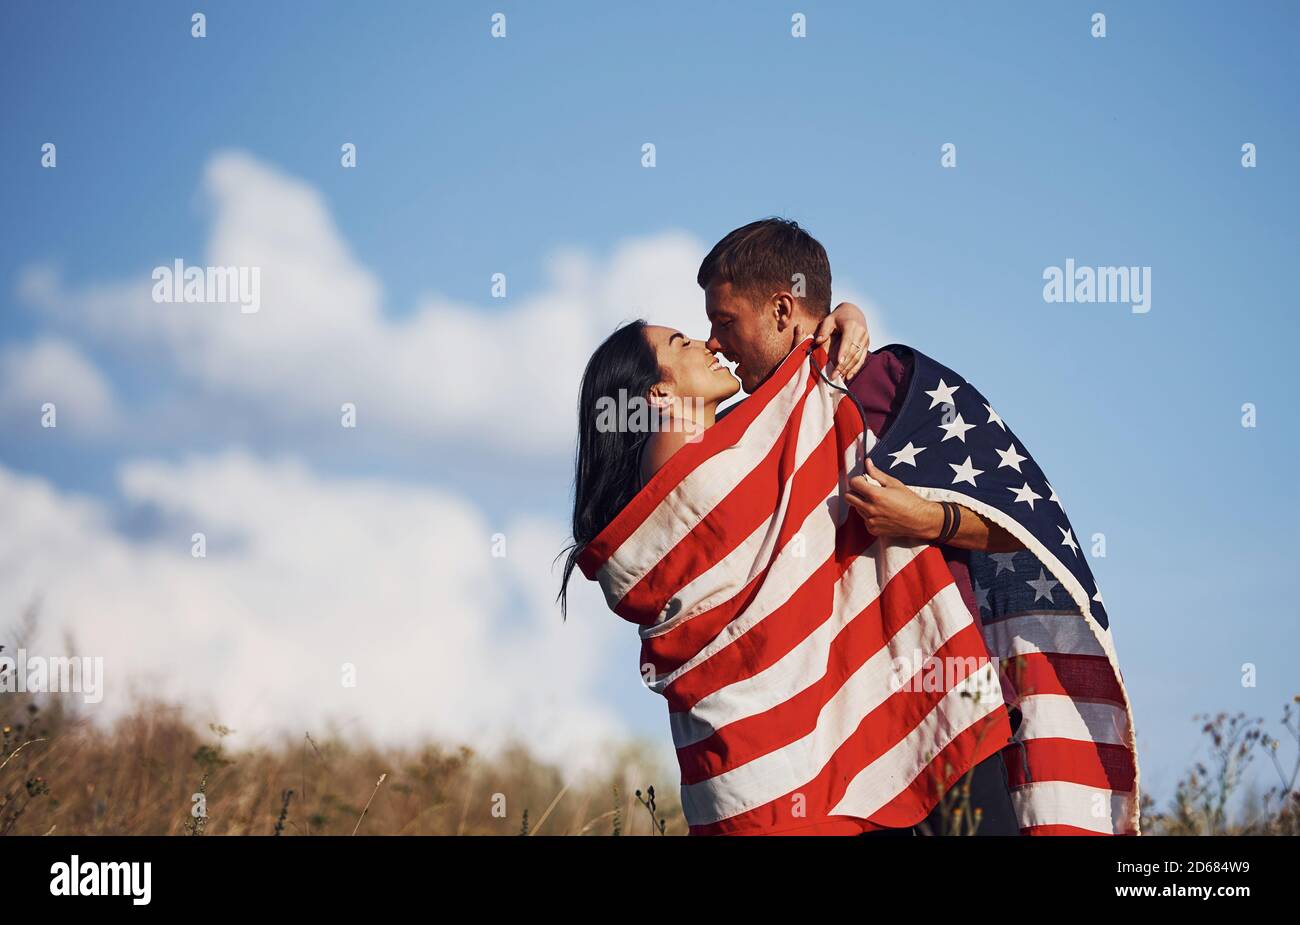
446	371
54	371
303	574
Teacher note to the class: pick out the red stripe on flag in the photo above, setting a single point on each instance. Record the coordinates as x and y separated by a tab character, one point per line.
742	741
977	742
982	739
1080	677
808	491
776	634
722	435
1092	764
721	530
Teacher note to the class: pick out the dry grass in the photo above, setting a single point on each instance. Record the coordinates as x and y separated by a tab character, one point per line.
158	772
63	775
1203	800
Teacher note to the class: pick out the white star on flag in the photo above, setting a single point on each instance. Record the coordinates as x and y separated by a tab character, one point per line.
906	455
943	394
993	417
965	472
1026	494
1006	562
981	595
956	429
1043	585
1069	539
1010	457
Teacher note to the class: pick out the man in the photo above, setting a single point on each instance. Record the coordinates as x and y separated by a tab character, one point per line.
766	286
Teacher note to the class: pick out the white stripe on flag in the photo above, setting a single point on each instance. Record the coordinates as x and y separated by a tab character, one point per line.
1064	718
1031	633
728	575
785	576
794	765
803	665
1058	802
882	780
695	496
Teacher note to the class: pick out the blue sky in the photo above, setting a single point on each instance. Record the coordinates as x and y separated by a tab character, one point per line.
523	156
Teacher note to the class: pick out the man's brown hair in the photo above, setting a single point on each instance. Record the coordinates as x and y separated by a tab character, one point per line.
764	256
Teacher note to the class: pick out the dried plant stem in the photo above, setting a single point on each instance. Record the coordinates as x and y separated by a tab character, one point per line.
563	791
17	750
368	802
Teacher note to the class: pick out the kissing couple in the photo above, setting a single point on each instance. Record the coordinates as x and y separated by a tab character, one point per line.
857	591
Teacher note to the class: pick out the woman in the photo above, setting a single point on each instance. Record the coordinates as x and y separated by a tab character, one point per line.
682	383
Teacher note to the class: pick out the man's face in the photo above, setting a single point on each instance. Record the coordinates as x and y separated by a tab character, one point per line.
747	332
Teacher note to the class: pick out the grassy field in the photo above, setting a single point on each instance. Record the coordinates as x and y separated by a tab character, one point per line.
158	772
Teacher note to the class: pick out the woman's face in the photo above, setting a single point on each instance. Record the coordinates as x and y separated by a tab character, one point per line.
689	368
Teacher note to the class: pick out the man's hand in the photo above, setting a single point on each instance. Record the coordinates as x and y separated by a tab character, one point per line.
849	325
893	509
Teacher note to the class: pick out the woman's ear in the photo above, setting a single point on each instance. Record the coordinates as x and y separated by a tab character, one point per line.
661	395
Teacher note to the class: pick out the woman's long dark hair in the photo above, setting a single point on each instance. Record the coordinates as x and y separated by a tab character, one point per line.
607	462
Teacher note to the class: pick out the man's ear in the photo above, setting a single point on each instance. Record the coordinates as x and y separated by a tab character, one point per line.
784	308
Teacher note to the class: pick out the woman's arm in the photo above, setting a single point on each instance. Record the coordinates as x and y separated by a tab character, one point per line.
893	509
848	324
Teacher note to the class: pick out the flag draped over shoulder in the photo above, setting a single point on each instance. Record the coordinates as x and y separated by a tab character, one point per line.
1074	767
823	680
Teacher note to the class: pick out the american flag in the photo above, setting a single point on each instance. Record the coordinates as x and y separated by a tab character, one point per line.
1074	767
796	651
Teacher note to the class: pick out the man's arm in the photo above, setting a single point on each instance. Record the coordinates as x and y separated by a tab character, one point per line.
975	531
893	509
